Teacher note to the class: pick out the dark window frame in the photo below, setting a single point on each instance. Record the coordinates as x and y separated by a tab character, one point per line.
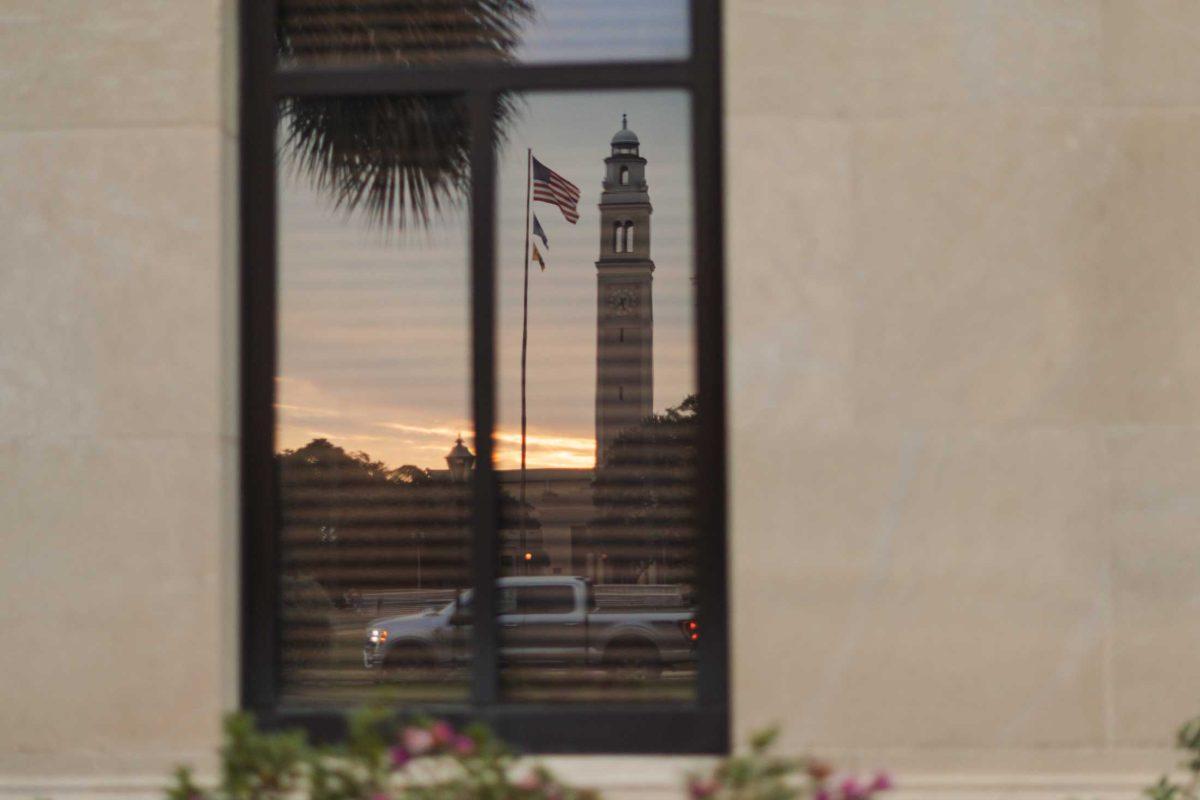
701	726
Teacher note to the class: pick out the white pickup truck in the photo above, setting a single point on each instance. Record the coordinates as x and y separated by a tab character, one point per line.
546	620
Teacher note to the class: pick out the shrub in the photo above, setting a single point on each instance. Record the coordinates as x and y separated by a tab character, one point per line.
759	775
383	759
1188	740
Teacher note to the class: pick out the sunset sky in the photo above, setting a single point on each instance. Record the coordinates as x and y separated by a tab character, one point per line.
374	327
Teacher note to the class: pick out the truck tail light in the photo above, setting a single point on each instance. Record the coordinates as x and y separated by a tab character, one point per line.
691	629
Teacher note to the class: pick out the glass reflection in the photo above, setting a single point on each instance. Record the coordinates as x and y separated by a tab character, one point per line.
595	447
372	399
597	400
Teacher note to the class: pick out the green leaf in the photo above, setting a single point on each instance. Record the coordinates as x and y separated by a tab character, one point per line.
762	740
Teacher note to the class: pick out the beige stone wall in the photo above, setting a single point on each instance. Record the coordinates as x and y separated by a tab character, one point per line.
966	378
117	360
964	435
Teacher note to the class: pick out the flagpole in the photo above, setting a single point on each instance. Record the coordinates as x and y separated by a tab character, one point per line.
524	348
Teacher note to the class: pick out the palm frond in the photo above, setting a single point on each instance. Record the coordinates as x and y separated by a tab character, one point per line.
397	159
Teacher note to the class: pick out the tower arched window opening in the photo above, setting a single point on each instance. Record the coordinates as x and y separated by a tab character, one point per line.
628	237
624	176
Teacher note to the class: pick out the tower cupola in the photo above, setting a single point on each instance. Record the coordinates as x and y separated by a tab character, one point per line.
625	169
460	460
625	141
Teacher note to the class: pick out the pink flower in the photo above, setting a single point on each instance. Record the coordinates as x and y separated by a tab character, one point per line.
852	789
380	796
418	741
400	756
530	783
881	782
443	733
700	788
823	794
463	745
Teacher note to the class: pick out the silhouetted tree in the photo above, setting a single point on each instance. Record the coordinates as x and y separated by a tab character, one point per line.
351	523
645	496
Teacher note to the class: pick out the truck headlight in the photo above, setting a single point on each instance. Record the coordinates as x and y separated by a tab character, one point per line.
378	636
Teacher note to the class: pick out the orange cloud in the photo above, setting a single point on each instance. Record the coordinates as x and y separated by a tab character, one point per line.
404	443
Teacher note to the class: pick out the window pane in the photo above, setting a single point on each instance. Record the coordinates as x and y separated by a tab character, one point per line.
424	32
545	600
607	524
372	394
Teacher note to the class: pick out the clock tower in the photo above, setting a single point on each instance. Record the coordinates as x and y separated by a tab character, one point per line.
624	315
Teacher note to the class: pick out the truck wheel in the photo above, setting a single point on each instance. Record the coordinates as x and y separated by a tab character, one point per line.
633	660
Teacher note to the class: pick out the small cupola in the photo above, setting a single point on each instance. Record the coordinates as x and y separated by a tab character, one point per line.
460	460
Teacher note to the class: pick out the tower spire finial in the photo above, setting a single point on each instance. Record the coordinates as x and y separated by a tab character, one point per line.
624	124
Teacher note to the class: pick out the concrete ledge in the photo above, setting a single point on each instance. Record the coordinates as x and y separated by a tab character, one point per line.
627	779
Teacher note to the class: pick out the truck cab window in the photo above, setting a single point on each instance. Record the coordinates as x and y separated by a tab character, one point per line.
545	600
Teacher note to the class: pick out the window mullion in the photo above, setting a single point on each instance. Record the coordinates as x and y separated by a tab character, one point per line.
257	333
713	665
484	519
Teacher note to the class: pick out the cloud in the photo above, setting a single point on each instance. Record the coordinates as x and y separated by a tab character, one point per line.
543	449
399	443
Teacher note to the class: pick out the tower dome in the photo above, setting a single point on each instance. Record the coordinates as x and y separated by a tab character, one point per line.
625	139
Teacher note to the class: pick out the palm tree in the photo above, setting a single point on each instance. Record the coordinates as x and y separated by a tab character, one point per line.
394	158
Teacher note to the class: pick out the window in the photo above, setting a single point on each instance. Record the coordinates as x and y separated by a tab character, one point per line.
460	492
551	599
623	237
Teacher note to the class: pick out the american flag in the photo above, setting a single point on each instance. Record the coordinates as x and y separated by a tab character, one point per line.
550	187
